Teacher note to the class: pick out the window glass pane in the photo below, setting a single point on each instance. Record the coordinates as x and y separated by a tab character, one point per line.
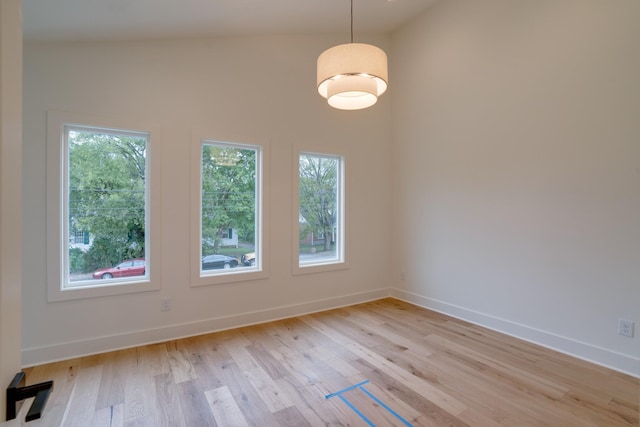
320	210
105	206
229	219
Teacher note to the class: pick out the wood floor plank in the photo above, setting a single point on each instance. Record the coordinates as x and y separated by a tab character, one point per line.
140	397
291	417
265	359
204	355
195	407
270	393
291	333
168	404
83	398
333	359
154	358
110	416
432	369
224	408
247	398
111	392
243	358
181	367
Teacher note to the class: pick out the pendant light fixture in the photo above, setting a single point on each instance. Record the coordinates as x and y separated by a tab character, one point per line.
352	76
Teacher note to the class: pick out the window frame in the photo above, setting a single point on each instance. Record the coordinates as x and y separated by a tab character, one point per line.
199	138
58	288
342	248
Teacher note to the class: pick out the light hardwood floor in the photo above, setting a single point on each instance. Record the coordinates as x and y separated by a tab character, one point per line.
430	369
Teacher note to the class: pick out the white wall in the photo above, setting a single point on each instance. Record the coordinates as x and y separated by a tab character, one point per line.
516	135
262	87
10	193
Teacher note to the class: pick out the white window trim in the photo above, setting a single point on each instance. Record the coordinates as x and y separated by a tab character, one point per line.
56	221
200	137
343	258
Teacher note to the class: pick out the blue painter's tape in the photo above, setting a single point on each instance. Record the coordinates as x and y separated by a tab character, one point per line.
360	386
337	393
367	420
385	406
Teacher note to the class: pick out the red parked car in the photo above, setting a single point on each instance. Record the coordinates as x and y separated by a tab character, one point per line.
130	267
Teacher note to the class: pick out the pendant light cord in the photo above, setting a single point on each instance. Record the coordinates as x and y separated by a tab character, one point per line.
351	21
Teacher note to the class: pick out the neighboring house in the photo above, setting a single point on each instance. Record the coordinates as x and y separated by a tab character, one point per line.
81	240
229	238
312	238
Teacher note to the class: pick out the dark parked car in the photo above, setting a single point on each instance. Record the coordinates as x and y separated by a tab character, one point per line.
211	262
130	267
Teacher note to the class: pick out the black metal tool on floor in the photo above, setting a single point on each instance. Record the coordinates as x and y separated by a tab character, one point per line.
17	392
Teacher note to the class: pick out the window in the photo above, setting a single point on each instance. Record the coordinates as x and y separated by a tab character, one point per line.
79	237
320	212
228	186
100	200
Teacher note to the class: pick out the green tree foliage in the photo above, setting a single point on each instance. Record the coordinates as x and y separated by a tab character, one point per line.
228	194
107	196
76	260
318	196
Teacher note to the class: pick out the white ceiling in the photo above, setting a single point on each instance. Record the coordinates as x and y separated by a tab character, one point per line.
93	20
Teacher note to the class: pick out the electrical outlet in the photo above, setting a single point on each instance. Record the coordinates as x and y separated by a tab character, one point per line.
625	328
165	304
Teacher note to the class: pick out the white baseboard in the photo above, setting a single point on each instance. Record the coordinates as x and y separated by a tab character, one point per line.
620	362
68	350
